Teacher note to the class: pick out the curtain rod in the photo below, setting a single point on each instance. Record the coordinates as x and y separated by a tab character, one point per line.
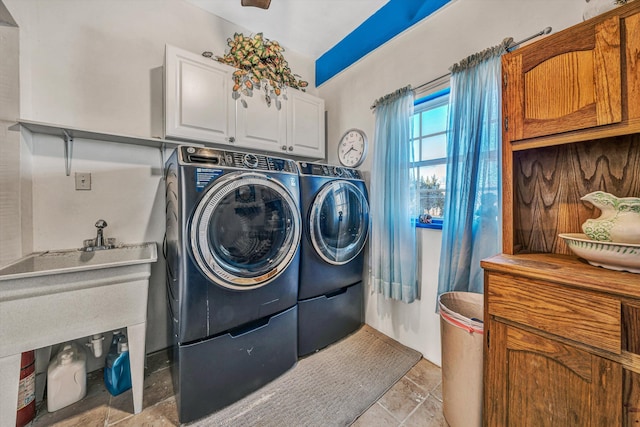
511	47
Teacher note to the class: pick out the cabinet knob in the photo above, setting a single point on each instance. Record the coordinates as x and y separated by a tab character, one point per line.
291	148
284	148
231	139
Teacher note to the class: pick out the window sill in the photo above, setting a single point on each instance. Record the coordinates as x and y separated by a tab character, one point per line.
436	224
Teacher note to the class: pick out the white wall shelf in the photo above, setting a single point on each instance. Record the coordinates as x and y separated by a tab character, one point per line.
68	134
59	130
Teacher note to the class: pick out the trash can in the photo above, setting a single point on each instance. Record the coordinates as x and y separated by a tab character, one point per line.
462	335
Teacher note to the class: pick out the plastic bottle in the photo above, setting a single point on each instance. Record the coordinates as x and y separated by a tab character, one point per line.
115	339
66	377
117	371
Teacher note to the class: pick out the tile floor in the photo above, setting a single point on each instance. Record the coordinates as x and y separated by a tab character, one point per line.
415	400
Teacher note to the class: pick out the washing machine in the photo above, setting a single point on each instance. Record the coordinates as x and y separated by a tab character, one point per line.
335	214
232	248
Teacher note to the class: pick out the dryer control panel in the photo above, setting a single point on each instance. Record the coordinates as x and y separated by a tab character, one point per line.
235	159
320	169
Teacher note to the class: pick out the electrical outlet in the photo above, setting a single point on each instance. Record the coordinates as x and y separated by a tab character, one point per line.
83	181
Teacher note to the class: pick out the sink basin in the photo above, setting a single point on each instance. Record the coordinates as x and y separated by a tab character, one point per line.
66	261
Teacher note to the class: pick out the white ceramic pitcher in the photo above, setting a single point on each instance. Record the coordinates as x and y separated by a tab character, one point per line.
619	221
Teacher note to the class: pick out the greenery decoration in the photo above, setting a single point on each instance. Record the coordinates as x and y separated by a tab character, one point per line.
260	66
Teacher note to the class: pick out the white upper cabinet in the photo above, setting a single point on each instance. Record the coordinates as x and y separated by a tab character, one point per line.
198	103
305	125
259	126
199	107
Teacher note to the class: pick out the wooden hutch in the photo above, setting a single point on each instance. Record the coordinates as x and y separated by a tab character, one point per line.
562	337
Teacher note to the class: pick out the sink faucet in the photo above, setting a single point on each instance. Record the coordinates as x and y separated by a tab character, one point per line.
100	242
100	225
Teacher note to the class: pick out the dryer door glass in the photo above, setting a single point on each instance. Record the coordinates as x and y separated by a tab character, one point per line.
339	222
245	231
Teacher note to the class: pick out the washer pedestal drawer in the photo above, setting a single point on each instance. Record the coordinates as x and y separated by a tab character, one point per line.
221	370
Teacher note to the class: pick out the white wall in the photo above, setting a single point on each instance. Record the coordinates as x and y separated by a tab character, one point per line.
97	65
418	55
94	64
12	217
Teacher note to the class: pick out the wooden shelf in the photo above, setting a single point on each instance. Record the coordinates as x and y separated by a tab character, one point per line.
618	129
566	270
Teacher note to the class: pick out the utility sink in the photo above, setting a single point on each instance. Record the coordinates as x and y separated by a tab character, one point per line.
65	261
52	297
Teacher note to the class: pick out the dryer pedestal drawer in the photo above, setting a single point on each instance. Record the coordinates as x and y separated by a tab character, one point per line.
328	318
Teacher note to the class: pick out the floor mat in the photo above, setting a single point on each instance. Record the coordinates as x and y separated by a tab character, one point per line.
329	388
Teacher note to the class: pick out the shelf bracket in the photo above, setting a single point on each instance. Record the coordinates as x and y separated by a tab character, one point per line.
68	151
162	148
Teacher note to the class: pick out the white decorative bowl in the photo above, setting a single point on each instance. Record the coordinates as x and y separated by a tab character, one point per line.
614	256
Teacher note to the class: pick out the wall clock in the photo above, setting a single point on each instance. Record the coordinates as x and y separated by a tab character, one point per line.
352	148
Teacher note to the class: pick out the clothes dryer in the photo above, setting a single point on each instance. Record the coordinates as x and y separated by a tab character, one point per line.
335	212
232	249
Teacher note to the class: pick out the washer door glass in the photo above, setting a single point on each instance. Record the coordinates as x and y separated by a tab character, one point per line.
245	231
339	222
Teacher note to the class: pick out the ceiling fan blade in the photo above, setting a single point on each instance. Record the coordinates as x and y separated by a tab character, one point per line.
262	4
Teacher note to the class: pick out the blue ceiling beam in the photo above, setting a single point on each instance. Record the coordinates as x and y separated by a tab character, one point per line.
389	21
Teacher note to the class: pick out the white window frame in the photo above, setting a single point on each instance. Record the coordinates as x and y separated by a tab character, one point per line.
433	100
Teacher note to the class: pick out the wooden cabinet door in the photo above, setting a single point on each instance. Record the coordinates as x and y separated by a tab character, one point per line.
532	381
261	127
568	81
198	102
305	125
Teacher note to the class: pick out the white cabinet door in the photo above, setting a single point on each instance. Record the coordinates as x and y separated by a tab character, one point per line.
305	125
259	127
198	103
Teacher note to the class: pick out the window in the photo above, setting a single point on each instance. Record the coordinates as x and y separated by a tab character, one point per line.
429	142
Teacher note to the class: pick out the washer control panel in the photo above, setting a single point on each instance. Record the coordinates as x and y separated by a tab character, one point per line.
235	159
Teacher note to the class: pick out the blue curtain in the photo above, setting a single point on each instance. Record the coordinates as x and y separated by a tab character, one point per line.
393	239
471	229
